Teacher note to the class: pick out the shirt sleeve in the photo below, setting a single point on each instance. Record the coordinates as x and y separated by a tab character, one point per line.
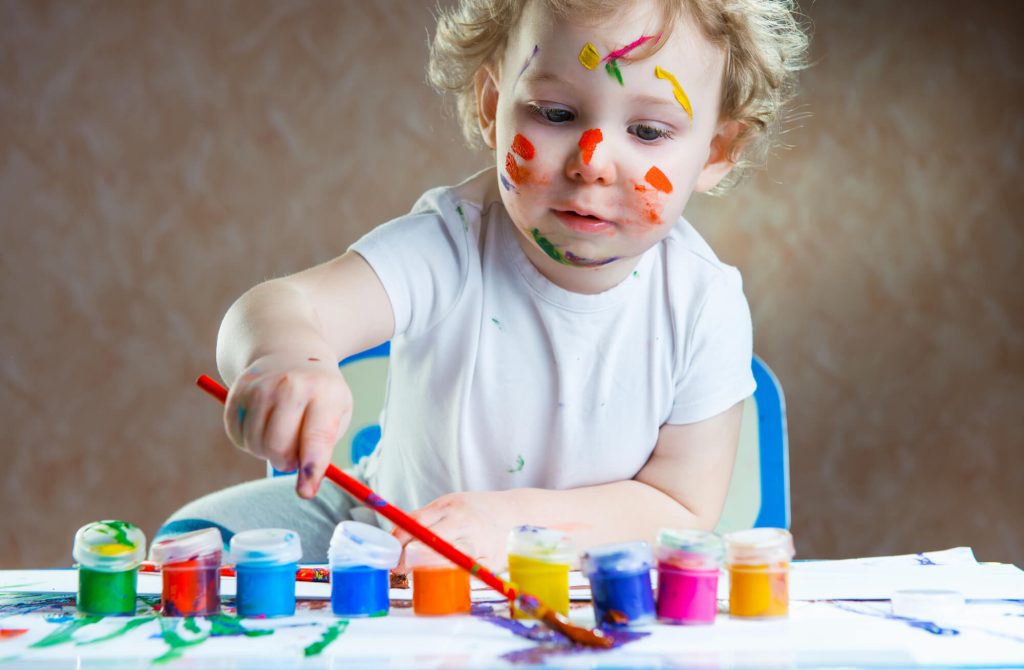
717	353
422	261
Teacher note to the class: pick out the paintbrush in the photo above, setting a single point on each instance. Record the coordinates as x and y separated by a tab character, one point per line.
524	602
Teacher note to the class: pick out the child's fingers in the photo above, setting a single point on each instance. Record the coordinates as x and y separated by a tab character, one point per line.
324	420
280	444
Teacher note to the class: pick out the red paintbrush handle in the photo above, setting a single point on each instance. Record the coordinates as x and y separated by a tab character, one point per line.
210	385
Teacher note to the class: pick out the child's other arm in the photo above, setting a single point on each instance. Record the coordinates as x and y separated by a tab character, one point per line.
278	350
683	485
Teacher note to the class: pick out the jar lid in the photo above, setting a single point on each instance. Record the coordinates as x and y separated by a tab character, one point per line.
187	546
759	545
621	557
689	548
266	547
109	546
357	543
542	544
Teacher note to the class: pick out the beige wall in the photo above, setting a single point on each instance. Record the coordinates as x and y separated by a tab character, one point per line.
161	157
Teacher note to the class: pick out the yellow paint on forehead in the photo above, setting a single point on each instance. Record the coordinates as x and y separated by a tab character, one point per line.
677	90
589	57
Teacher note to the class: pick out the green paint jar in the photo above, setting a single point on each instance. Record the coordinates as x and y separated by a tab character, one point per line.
108	554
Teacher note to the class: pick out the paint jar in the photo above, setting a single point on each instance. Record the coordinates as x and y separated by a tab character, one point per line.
265	564
438	586
538	564
688	566
758	562
620	583
361	557
108	554
190	566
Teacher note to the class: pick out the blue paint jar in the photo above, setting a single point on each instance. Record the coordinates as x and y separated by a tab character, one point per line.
265	563
361	557
620	583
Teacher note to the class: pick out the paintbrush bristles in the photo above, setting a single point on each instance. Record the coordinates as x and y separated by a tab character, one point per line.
555	621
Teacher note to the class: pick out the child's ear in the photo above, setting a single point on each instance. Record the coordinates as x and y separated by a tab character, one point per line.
722	157
487	103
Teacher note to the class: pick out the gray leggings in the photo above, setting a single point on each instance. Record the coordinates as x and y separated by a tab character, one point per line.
271	503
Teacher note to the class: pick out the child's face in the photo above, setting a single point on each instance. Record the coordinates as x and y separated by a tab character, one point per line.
593	171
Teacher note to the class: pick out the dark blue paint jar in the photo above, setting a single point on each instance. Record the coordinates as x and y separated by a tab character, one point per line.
361	557
265	560
620	583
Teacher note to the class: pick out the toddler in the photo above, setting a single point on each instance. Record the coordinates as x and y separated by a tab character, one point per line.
566	350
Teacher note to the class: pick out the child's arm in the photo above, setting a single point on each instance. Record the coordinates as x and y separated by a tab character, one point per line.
683	485
278	351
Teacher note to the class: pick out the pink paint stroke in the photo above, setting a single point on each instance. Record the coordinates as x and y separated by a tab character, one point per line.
619	53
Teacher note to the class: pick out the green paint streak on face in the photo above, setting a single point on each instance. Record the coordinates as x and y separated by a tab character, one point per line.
65	632
176	643
612	68
225	625
128	627
548	248
117	530
329	636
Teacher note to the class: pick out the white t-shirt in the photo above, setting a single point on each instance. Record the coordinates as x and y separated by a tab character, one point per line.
501	379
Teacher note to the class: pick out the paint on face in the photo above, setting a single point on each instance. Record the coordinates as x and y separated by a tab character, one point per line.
658	180
624	51
568	258
529	59
523	147
589	58
677	90
588	143
581	262
548	248
507	184
517	173
612	68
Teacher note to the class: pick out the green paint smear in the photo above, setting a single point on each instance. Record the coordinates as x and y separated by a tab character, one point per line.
520	462
225	625
65	632
117	530
130	626
458	208
612	68
547	247
176	643
329	636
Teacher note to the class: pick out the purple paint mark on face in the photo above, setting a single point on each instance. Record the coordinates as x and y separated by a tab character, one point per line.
507	184
374	500
579	261
536	50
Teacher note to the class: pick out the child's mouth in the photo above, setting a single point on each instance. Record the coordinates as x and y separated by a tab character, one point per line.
584	223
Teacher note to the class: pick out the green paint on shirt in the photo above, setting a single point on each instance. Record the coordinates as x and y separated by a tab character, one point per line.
519	464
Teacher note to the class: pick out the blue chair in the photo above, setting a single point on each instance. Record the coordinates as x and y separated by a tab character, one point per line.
758	493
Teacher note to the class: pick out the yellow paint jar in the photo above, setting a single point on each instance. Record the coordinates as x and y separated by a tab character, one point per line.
538	564
758	563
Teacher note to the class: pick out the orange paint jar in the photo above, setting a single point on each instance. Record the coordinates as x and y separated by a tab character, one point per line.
758	563
439	587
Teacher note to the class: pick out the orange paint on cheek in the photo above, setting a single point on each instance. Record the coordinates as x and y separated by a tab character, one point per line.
588	142
658	180
523	147
516	173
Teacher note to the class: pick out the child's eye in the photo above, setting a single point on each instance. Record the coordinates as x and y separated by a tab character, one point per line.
553	114
649	133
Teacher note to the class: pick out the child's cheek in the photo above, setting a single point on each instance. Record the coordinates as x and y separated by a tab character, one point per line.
649	198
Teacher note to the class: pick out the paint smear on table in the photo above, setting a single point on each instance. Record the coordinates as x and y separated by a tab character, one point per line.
552	643
329	636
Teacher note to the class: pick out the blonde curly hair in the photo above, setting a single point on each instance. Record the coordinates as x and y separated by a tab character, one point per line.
764	42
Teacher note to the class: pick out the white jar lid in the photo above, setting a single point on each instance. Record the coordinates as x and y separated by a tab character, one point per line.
541	544
357	543
109	546
264	547
927	604
187	546
759	545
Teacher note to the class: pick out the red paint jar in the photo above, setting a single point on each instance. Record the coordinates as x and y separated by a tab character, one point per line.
190	565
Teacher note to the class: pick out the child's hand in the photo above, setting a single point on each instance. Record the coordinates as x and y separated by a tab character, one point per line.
476	522
290	411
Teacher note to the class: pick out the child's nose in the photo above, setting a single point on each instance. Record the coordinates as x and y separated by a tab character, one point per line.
591	161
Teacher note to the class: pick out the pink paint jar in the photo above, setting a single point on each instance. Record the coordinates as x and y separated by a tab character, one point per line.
688	566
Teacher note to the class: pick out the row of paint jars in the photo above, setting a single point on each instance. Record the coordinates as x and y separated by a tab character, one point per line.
688	564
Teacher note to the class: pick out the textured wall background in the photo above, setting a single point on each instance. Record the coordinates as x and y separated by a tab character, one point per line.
161	157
